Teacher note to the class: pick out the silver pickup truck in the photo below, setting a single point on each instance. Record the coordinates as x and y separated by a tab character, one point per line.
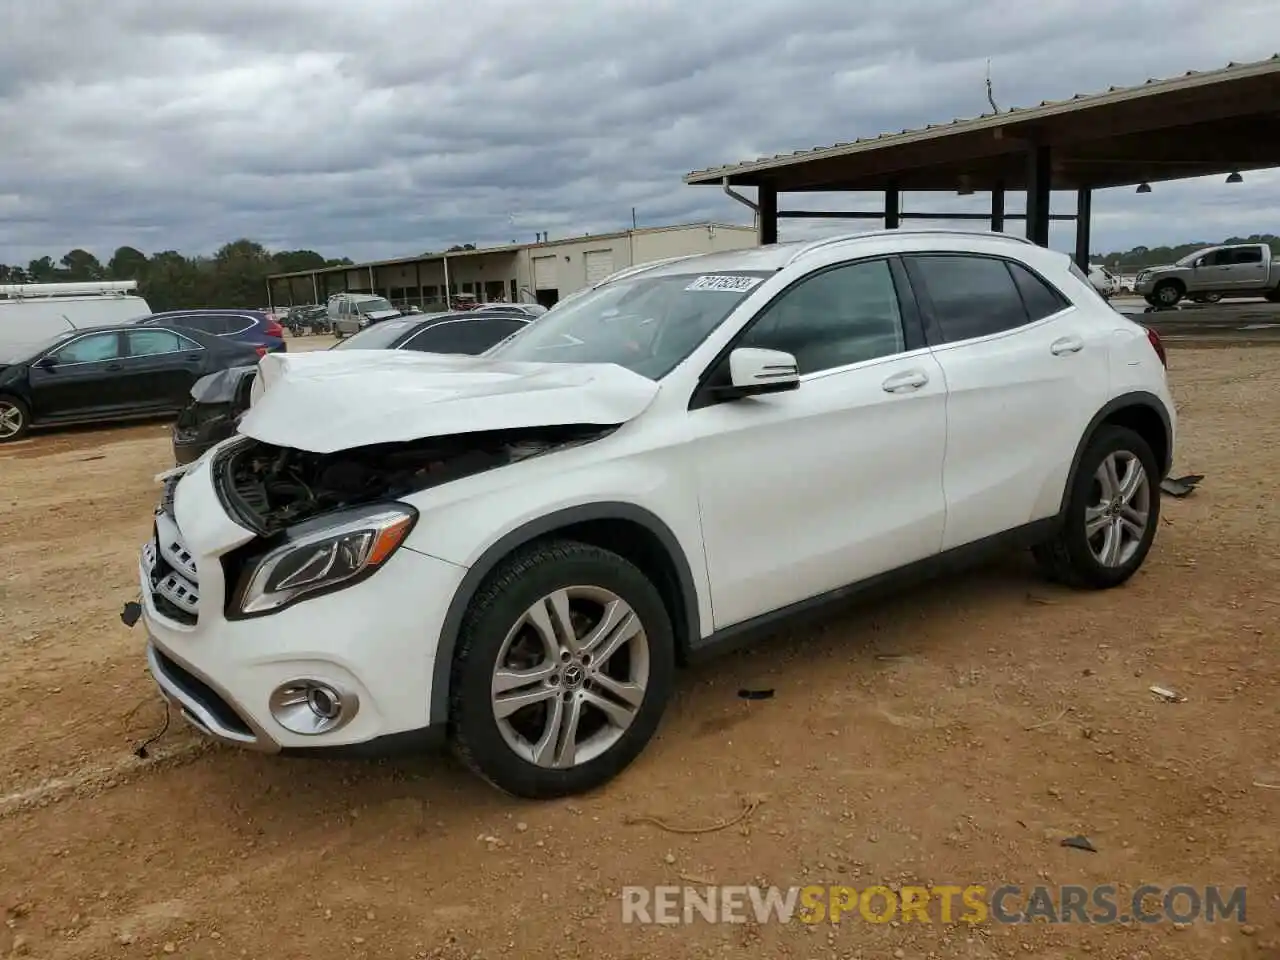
1208	275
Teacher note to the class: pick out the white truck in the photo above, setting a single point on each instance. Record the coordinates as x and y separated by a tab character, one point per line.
31	313
1210	274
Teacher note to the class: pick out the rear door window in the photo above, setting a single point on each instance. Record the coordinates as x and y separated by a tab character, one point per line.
972	296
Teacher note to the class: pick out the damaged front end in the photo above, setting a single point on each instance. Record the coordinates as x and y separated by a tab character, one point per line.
270	488
218	401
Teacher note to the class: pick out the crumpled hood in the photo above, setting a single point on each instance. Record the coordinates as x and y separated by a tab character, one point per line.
375	315
1162	268
327	401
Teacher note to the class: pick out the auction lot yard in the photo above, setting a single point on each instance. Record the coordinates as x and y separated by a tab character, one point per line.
951	735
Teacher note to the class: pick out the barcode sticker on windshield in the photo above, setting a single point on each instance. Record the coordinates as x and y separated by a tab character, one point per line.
729	284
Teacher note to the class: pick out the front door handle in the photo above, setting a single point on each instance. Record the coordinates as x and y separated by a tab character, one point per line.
1065	345
905	381
113	367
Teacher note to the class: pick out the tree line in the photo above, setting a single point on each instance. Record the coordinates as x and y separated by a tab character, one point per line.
236	275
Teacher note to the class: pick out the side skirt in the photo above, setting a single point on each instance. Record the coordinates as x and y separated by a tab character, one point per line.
958	558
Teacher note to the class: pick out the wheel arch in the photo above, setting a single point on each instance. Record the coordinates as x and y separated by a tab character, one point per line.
1140	411
624	528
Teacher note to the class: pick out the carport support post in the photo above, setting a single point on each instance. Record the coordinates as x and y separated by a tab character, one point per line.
892	208
997	207
1084	214
767	217
315	289
1038	185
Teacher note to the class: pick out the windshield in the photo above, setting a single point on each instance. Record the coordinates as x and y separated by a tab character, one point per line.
646	324
380	336
374	306
1189	259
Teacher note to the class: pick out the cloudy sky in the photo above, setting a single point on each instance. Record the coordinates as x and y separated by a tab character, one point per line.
391	127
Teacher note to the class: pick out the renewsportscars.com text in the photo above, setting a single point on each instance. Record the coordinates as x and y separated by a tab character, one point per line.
972	904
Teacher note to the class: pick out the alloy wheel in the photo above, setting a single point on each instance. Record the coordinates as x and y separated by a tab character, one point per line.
570	677
10	420
1120	510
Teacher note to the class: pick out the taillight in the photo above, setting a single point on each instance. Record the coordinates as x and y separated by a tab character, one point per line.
1154	339
273	329
262	351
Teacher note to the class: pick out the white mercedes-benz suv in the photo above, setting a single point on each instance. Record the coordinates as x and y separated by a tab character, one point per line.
516	551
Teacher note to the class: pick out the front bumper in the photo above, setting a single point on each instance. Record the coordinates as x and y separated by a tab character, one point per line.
374	642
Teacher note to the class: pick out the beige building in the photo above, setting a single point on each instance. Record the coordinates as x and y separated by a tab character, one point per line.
543	272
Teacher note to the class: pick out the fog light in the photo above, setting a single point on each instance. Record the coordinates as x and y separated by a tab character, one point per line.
311	707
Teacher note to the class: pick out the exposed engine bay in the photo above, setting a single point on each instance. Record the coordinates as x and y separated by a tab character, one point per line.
274	487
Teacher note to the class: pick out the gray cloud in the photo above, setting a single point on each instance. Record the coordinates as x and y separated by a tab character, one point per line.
398	126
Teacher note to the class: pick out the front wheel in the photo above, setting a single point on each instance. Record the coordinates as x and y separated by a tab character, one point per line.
565	662
1112	514
1167	294
15	419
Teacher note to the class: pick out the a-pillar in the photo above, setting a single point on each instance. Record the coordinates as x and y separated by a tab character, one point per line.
1038	187
767	214
1084	216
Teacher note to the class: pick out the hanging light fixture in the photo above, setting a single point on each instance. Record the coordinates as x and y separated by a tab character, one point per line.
1144	187
1234	177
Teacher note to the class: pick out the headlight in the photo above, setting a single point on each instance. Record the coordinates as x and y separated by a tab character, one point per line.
336	554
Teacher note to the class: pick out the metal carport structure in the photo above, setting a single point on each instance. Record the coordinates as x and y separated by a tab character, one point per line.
1199	124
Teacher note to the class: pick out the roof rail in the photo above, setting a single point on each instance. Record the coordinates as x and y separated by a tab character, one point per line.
813	245
86	288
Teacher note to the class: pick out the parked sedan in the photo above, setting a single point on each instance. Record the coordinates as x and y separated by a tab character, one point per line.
254	327
218	401
107	374
467	331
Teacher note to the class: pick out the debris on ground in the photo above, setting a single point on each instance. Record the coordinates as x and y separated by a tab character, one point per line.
761	694
1169	696
1181	486
1079	842
748	808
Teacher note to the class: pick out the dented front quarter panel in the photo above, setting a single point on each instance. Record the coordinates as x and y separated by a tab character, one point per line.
327	402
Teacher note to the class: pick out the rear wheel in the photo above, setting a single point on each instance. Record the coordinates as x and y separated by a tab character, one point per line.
1274	295
15	419
1113	512
564	666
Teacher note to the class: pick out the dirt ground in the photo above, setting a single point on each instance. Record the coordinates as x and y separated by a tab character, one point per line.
951	735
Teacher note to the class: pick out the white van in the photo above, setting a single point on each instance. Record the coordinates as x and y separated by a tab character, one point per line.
31	313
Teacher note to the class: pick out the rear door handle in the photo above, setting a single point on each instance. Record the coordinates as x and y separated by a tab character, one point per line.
906	381
1066	345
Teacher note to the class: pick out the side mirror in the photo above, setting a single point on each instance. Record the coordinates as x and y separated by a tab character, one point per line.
754	372
47	362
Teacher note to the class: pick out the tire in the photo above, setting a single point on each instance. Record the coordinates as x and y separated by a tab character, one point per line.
15	419
1273	296
1150	299
497	632
1072	557
1167	293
